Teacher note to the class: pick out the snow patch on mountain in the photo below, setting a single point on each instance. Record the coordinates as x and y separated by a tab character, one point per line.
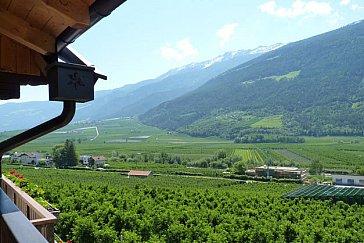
264	49
213	61
225	57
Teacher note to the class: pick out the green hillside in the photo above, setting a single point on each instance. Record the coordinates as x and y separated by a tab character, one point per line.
315	86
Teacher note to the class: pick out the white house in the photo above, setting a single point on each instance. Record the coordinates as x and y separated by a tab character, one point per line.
26	158
84	159
98	161
348	180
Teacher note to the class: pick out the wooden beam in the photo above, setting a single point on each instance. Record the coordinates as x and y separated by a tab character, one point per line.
21	31
75	11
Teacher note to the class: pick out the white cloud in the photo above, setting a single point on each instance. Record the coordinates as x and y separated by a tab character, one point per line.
225	33
353	6
182	49
356	7
298	8
344	2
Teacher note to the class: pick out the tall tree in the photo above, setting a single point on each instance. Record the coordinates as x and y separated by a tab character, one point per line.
65	155
70	151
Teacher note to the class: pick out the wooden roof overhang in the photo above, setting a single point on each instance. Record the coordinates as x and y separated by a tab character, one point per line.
35	33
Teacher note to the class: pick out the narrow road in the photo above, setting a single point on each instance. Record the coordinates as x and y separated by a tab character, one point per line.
97	131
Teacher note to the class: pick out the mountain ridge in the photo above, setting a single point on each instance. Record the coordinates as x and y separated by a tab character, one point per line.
307	82
132	99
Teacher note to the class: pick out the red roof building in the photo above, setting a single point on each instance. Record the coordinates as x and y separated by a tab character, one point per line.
140	173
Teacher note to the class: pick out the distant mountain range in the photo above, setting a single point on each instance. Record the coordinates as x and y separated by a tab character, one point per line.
310	87
133	99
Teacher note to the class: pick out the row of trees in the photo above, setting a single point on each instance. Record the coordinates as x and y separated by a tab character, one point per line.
259	138
160	158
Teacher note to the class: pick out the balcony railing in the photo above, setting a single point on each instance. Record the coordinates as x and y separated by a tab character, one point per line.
41	218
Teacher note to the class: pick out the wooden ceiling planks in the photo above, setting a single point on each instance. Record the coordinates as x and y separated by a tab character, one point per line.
25	34
28	29
75	12
16	58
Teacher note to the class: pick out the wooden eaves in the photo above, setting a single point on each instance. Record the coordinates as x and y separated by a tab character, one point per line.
32	32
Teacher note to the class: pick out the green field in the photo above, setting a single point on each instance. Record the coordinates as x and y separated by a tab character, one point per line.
269	122
255	155
333	152
287	76
121	129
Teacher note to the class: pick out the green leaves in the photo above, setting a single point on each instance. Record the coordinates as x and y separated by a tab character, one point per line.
65	155
99	207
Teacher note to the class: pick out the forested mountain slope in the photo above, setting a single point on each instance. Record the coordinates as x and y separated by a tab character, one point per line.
136	99
310	87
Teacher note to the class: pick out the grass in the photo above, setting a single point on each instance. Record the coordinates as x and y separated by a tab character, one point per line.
269	122
288	76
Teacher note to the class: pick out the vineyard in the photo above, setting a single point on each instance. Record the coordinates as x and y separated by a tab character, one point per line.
332	157
100	206
292	156
255	155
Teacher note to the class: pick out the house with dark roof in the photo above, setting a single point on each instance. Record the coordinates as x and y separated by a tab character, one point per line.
98	161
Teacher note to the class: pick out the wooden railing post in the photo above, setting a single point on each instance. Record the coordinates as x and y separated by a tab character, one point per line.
41	218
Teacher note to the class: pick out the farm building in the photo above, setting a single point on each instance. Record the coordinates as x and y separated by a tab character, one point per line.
98	161
348	180
140	173
26	158
84	159
281	172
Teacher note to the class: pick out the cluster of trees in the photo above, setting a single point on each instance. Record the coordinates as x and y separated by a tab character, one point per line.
160	158
259	138
220	160
99	207
65	155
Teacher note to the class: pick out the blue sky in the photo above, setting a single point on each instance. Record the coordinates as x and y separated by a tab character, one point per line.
143	39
